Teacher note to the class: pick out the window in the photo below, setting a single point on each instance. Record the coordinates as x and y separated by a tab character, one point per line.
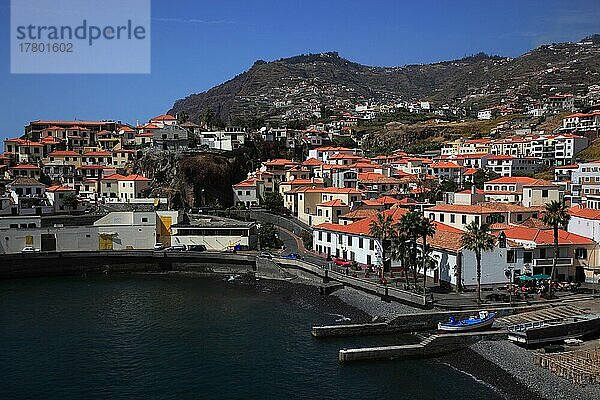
545	193
432	216
519	217
368	259
144	219
542	253
371	244
339	239
527	257
349	240
441	217
360	243
510	257
452	218
328	237
320	235
477	219
581	253
464	219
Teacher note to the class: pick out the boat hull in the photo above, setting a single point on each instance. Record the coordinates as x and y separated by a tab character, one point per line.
447	327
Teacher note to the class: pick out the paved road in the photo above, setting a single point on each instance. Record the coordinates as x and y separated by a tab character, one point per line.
291	246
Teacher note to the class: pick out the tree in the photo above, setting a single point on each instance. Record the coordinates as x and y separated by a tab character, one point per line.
345	141
267	235
478	239
383	229
408	225
183	116
556	215
273	201
399	250
70	201
425	228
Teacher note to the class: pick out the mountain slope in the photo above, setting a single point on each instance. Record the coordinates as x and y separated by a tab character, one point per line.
294	87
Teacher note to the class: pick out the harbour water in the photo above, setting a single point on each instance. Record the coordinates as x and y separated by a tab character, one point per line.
175	337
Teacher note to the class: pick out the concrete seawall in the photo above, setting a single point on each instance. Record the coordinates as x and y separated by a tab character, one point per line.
74	263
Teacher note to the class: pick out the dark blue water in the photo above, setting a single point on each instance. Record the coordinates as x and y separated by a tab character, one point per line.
165	337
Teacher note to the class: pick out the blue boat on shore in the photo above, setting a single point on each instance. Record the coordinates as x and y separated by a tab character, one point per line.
483	320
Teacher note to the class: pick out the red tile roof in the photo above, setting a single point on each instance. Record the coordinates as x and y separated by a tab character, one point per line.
164	117
26	166
333	203
582	212
64	153
361	227
59	189
135	177
512	179
545	237
250	182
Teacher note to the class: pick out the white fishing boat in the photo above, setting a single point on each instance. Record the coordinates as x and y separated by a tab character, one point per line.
483	320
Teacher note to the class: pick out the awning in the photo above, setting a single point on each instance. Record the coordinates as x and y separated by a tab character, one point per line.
526	278
541	276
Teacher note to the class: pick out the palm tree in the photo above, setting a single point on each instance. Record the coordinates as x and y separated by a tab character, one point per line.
555	215
425	228
383	229
478	239
399	250
409	224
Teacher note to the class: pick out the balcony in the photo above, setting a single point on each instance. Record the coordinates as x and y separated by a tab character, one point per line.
561	262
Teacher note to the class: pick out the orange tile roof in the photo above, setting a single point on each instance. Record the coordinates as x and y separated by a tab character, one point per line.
582	212
373	177
113	177
25	166
545	237
59	189
361	227
512	179
312	161
361	213
250	182
280	161
540	182
333	203
64	153
442	164
136	177
164	117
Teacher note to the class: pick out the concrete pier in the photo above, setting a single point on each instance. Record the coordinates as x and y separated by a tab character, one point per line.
432	346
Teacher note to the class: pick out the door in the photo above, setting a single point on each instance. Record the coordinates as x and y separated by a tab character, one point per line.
48	242
106	242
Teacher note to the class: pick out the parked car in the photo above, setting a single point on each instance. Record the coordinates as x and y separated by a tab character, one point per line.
30	249
341	262
293	256
158	246
177	247
266	254
195	247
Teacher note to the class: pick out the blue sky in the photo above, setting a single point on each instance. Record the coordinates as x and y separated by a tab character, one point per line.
199	44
